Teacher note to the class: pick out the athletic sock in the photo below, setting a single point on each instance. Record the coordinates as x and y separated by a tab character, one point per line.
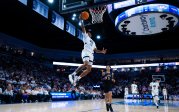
79	77
110	107
107	106
74	73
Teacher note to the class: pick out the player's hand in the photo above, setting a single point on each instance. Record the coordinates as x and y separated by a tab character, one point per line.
80	17
113	80
105	78
104	51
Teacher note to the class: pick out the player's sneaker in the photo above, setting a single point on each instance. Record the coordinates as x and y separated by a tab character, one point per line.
71	78
157	107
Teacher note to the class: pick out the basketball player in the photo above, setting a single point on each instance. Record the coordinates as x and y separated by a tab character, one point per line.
108	80
164	93
155	91
87	56
134	90
126	92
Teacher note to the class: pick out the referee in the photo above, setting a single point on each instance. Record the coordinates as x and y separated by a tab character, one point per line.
107	78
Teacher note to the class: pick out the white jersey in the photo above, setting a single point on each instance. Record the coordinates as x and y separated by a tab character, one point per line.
89	44
126	91
164	91
155	88
134	89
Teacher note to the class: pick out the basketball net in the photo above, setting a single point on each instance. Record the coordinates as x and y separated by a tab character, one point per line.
97	14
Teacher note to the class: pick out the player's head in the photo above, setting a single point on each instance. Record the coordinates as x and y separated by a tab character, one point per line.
157	80
134	82
89	34
108	68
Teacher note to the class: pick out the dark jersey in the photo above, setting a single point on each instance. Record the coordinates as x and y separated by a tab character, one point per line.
107	82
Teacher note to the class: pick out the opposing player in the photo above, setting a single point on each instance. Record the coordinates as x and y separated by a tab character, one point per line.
164	91
155	91
87	56
108	80
134	90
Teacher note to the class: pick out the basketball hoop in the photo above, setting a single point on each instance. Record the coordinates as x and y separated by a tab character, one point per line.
97	14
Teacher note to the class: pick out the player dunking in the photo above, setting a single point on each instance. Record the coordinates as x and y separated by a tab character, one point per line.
108	80
155	91
87	56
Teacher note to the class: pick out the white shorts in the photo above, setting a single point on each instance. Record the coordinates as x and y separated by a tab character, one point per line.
134	92
155	93
126	93
87	56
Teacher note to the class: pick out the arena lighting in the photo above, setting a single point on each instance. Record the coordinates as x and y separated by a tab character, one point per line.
73	18
50	1
120	66
76	64
135	65
74	15
79	23
98	37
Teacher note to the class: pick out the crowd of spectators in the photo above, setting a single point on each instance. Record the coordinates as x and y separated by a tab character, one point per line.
28	78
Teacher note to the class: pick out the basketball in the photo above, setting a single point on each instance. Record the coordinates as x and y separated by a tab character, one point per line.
84	15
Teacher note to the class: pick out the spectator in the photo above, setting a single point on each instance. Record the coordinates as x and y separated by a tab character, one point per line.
73	93
1	95
8	94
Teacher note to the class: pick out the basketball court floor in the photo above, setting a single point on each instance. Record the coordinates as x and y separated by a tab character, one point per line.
119	105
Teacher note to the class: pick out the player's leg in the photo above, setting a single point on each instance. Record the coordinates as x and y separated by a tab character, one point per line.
124	95
133	97
88	62
86	58
156	100
164	96
84	73
107	101
110	101
71	76
79	69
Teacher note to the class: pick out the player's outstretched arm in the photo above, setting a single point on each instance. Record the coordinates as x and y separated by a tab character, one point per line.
82	25
113	80
103	51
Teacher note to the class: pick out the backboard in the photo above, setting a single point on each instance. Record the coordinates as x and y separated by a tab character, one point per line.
68	6
161	78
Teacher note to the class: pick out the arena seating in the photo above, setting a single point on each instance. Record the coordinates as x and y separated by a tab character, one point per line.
30	78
